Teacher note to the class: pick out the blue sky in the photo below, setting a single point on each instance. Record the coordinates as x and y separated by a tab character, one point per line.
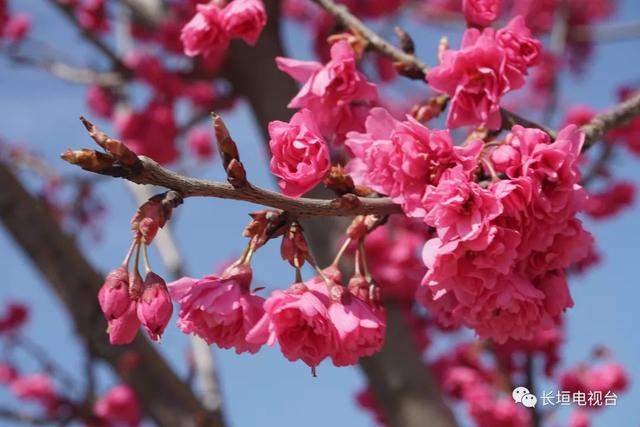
265	389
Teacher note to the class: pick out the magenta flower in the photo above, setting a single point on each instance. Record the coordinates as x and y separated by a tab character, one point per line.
154	307
522	50
220	310
204	33
119	406
300	156
400	159
331	91
123	329
481	13
244	19
114	294
298	319
360	329
476	77
459	208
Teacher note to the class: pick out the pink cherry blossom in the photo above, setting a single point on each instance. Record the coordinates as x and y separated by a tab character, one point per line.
331	91
220	310
522	49
481	12
400	159
14	317
154	307
114	294
476	77
123	329
101	101
150	132
37	388
16	27
244	19
610	201
205	32
119	406
459	208
8	373
300	156
200	142
298	319
360	328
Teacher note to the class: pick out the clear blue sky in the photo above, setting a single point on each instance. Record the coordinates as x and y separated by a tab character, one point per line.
265	389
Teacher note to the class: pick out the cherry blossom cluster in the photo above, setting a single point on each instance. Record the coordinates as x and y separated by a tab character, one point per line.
212	27
311	320
129	302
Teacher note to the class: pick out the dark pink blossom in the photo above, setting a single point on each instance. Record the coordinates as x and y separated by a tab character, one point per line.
220	310
331	91
481	13
154	307
298	319
204	34
476	77
123	329
300	155
16	28
360	328
119	406
610	201
200	142
114	294
244	19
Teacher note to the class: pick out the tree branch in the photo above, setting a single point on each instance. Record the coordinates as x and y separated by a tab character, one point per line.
618	116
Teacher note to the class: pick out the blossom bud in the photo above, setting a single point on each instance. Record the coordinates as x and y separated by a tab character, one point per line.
154	308
114	294
123	329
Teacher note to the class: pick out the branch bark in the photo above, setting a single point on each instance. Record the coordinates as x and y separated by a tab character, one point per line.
165	398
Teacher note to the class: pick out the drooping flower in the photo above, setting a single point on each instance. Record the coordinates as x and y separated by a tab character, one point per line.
114	294
244	19
204	33
123	329
154	307
220	310
360	328
300	156
297	319
14	317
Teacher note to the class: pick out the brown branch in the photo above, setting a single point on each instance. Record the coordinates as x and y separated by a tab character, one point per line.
69	72
169	401
151	173
618	116
345	17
